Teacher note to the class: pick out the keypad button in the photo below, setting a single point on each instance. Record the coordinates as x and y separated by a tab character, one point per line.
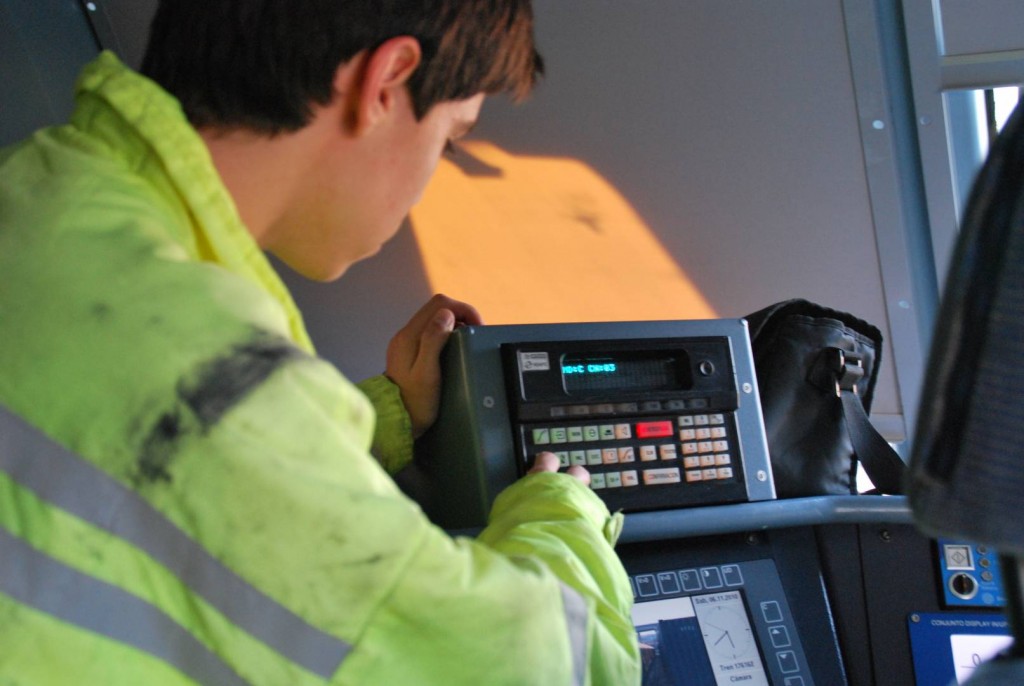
559	435
575	434
724	472
690	579
578	457
646	586
541	436
648	453
613	480
610	456
718	432
629	478
701	419
691	461
703	434
721	446
694	475
579	410
667	475
716	418
707	460
626	454
607	432
704	447
772	611
709	474
722	459
558	412
563	458
651	405
667	451
594	457
603	408
732	575
686	420
623	431
591	433
687	434
597	481
675	405
788	662
668	582
711	577
780	636
690	449
653	429
626	408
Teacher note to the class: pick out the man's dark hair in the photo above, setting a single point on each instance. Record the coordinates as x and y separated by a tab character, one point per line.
263	64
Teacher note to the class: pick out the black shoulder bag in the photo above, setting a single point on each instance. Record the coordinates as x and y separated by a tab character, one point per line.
816	370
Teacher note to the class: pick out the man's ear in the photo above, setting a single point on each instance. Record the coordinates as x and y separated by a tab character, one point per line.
374	89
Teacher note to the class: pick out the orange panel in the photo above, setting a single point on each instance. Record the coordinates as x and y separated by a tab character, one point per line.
540	239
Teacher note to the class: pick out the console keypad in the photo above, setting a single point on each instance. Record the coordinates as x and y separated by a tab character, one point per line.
647	452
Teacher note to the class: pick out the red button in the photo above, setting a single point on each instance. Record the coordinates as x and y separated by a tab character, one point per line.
654	429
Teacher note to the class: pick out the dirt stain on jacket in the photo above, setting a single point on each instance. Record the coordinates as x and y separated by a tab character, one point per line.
205	396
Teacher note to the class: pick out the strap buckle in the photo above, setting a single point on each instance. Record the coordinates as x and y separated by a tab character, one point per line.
847	368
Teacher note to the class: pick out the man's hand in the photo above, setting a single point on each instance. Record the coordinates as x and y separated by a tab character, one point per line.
414	356
548	462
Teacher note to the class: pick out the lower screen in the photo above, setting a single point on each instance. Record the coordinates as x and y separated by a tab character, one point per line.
948	646
704	640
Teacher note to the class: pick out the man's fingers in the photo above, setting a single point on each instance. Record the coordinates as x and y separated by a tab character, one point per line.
464	313
545	462
548	462
426	333
433	337
580	473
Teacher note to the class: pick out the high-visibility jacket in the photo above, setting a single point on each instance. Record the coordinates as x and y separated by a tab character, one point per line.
187	493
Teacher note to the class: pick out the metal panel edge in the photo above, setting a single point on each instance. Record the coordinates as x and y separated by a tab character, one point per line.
765	515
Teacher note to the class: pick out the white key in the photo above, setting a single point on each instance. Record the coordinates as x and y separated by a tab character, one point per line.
667	475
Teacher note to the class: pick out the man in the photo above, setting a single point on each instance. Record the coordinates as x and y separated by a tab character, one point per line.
206	509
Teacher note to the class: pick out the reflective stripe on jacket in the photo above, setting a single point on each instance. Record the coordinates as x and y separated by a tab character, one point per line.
186	491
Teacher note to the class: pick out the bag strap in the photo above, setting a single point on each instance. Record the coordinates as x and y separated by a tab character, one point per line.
883	465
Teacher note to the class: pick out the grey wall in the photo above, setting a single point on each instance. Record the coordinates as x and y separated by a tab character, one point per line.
731	126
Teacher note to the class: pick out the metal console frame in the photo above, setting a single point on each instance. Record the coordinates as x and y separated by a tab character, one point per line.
467	458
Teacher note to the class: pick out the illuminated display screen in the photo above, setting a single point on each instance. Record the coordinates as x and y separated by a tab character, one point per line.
947	647
626	371
703	640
